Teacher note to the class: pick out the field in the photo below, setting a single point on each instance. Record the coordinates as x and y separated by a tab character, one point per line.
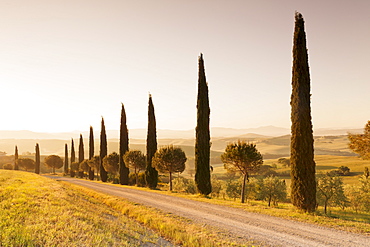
36	211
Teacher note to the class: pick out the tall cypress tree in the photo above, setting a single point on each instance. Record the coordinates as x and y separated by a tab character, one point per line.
91	152
303	185
37	159
66	159
16	158
103	151
81	154
151	174
123	148
73	158
202	141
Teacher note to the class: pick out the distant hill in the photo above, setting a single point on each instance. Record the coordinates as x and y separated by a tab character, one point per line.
216	132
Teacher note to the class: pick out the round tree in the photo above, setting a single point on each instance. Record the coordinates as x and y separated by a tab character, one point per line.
111	163
54	161
135	160
94	163
169	159
26	163
244	158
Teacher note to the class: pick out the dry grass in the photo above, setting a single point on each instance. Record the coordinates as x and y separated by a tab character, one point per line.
36	211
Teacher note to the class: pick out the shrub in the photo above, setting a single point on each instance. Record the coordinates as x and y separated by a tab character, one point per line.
217	186
184	185
8	166
272	189
140	179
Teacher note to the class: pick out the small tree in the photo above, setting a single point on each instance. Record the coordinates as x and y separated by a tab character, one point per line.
94	163
169	159
330	191
26	163
366	172
365	192
135	160
244	158
360	143
84	167
75	167
233	188
284	162
111	163
344	170
54	161
273	190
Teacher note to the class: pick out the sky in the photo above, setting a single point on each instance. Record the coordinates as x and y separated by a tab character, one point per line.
65	64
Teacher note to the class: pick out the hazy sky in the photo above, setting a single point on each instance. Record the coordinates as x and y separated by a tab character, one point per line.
64	64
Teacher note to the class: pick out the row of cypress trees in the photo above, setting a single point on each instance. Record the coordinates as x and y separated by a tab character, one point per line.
202	144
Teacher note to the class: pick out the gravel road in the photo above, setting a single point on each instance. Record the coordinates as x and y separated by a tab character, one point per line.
263	229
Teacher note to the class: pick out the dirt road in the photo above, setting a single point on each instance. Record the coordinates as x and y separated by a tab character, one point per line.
267	230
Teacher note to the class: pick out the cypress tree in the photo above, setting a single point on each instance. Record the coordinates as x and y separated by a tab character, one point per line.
103	151
37	159
123	148
66	159
151	174
202	140
81	154
73	158
303	185
91	152
16	158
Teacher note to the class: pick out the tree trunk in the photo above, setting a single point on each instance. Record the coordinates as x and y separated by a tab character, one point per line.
325	205
170	181
243	187
136	176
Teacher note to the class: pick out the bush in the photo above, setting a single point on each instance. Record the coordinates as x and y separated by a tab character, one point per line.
343	170
234	188
266	170
217	187
184	185
8	166
141	179
272	189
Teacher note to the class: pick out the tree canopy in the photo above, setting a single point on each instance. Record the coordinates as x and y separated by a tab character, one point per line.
169	159
111	163
26	163
136	160
54	161
360	143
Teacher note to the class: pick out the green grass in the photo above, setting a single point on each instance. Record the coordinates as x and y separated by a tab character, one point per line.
37	211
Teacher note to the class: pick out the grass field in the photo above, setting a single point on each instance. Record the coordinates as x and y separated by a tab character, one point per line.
37	211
